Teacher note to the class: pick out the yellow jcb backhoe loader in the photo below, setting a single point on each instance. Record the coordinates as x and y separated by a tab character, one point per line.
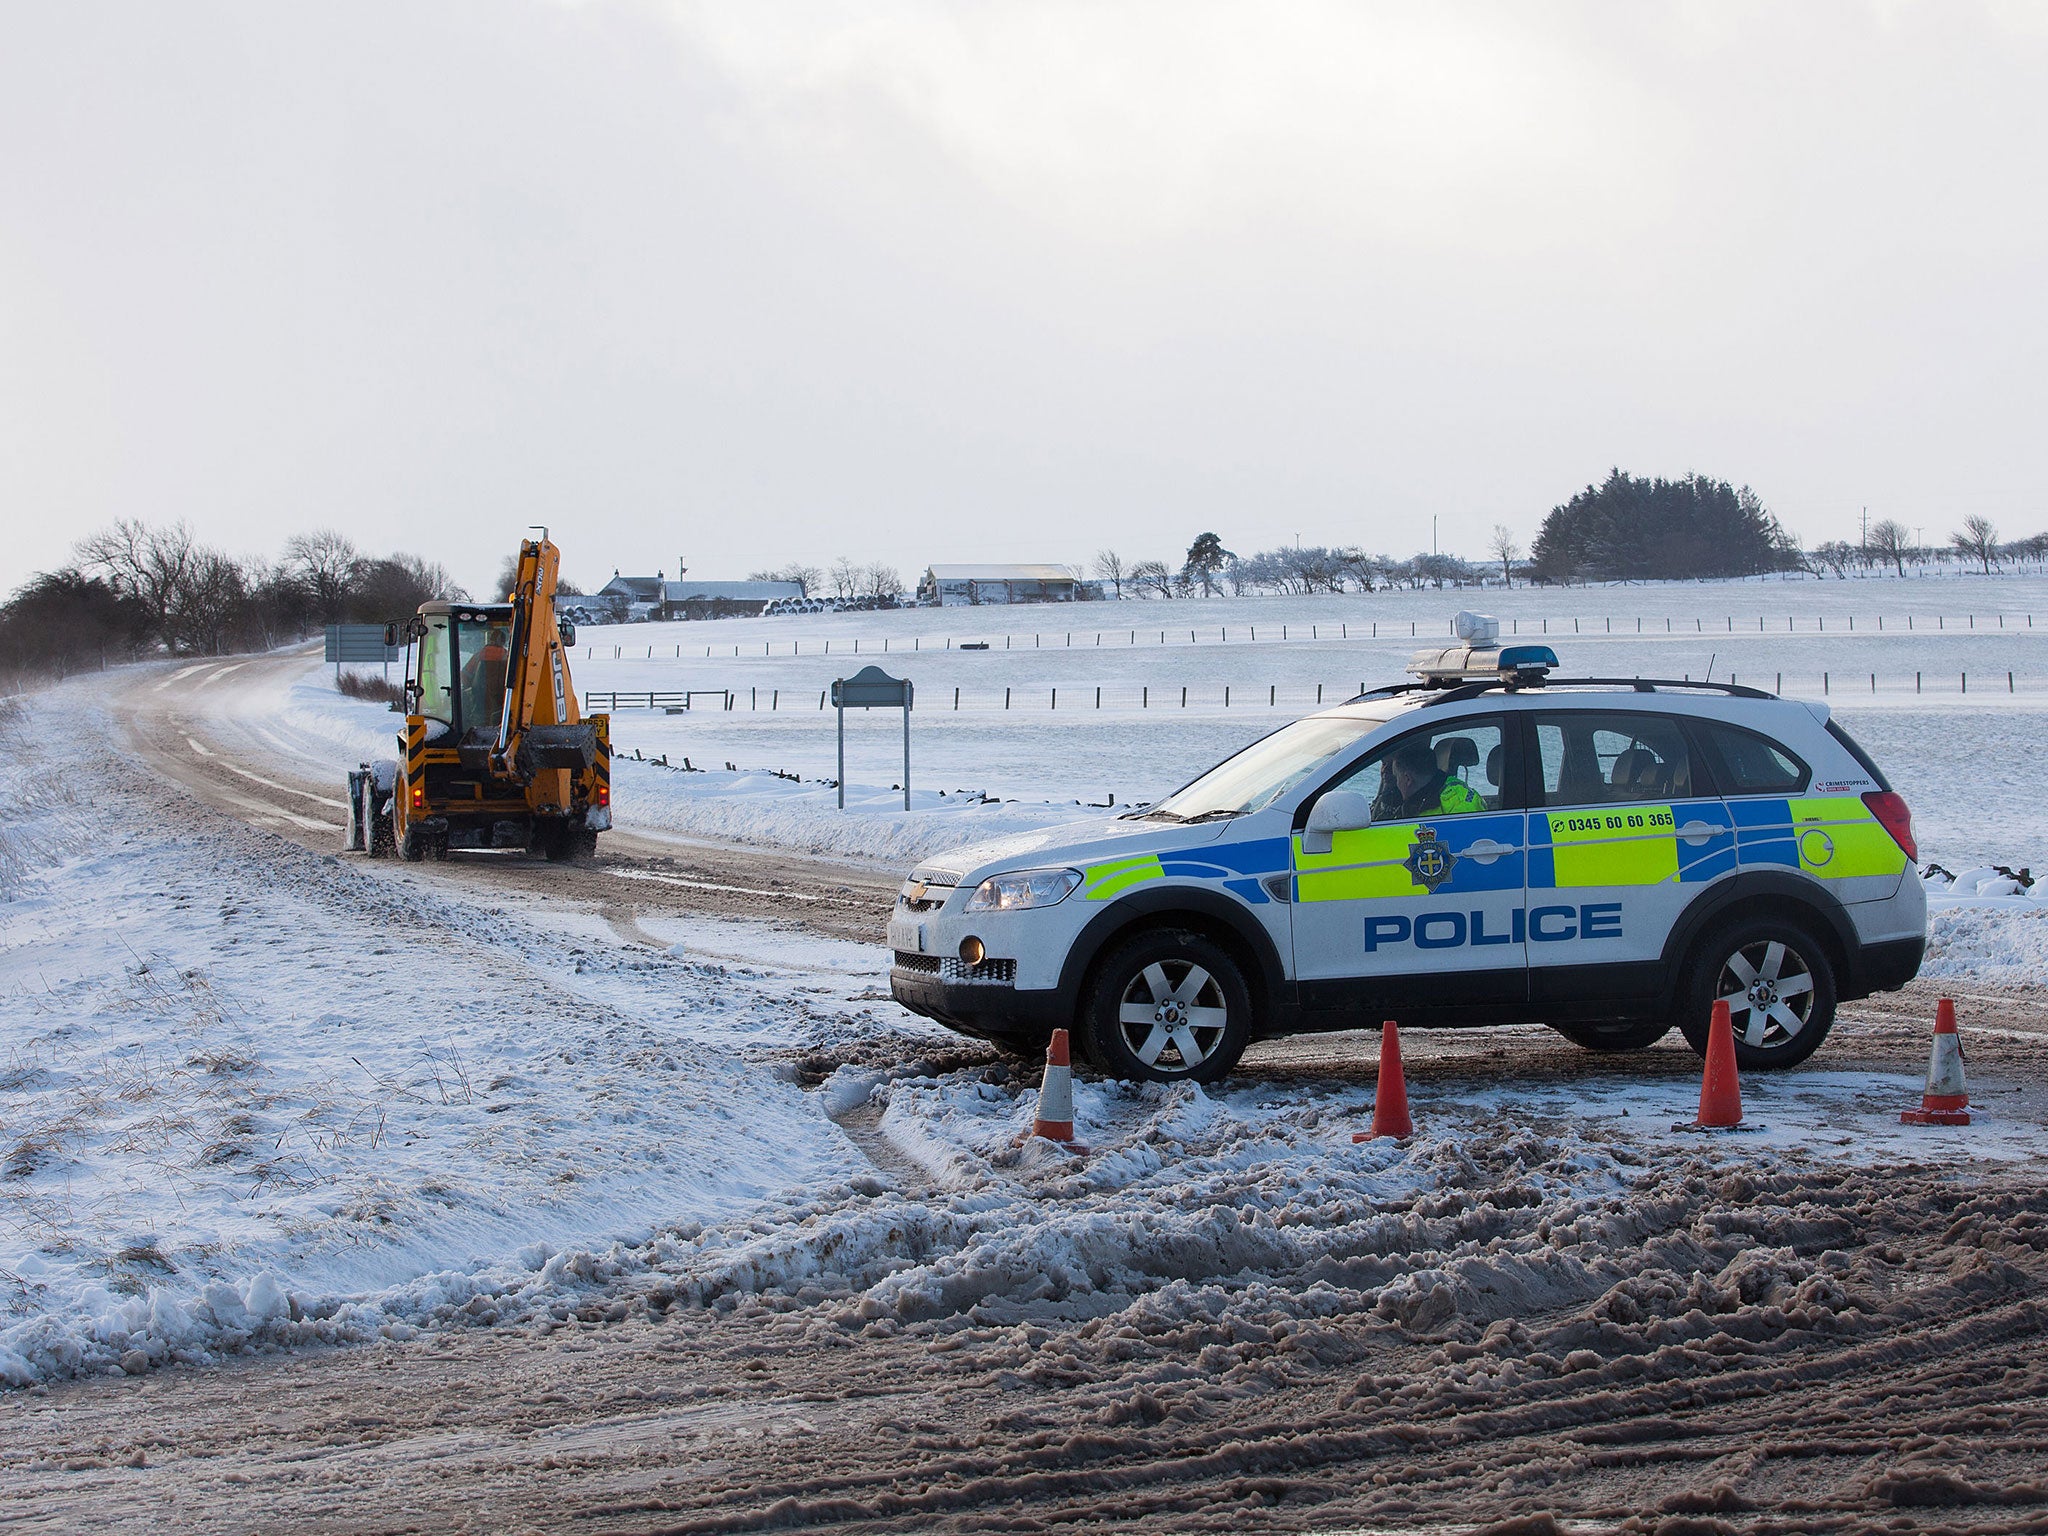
495	752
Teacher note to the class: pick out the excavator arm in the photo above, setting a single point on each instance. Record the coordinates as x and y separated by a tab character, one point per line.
542	732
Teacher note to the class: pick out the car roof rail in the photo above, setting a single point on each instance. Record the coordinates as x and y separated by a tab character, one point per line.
1634	684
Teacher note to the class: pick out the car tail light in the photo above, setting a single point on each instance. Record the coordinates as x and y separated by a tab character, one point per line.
1890	809
419	797
604	794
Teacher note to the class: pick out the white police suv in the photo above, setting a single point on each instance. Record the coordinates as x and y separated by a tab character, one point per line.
1486	844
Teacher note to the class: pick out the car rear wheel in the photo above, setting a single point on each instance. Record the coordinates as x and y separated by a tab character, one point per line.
1167	1006
1779	987
1615	1037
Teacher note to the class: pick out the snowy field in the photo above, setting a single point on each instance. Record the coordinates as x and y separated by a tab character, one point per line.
1967	763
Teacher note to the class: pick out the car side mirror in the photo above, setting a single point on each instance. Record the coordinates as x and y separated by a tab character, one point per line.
390	637
568	634
1341	810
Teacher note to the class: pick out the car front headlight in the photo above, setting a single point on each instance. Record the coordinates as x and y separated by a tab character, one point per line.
1024	888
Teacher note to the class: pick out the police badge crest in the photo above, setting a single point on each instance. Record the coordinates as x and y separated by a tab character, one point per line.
1429	862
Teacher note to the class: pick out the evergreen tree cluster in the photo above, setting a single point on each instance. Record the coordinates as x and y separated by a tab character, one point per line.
1633	529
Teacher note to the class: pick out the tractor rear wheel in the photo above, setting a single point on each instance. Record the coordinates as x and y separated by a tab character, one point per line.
566	842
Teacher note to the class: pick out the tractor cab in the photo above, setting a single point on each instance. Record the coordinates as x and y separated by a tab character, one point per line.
460	668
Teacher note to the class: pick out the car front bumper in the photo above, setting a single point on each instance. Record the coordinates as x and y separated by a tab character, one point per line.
983	1005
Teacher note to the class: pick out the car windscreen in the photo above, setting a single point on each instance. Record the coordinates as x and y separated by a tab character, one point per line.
1267	769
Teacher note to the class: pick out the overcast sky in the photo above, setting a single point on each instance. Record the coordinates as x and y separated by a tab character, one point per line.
739	284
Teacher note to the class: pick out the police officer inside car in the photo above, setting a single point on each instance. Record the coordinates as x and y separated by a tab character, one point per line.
1416	786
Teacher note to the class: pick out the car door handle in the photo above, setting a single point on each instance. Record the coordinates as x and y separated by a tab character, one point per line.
1699	831
1486	850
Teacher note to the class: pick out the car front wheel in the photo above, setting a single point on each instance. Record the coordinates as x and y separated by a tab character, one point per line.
1167	1006
1779	987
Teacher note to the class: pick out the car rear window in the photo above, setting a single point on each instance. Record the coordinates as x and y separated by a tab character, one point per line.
1855	749
1748	764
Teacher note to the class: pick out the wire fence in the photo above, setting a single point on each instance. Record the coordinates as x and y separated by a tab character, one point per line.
1294	697
1371	629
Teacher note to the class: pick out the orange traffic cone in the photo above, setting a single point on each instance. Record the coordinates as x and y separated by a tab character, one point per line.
1720	1087
1946	1101
1390	1102
1055	1121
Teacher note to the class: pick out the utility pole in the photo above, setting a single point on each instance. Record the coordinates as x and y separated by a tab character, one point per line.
1432	533
1866	532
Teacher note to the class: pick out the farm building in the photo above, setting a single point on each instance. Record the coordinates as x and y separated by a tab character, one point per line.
654	597
958	586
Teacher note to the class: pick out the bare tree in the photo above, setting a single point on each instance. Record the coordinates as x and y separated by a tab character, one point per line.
1151	576
208	604
880	580
328	566
1109	565
845	578
1977	538
1889	542
1836	555
808	578
394	588
1502	547
147	564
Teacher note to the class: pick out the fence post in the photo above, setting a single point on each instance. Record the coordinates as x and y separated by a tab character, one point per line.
1055	698
956	700
1006	698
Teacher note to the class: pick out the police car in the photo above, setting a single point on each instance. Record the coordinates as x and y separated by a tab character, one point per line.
1485	844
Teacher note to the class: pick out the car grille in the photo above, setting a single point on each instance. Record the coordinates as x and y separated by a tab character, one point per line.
927	890
990	973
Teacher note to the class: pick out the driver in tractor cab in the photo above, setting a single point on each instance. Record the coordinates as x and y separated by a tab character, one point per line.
1419	786
483	677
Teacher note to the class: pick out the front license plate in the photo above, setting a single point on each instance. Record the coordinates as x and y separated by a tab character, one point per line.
907	935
